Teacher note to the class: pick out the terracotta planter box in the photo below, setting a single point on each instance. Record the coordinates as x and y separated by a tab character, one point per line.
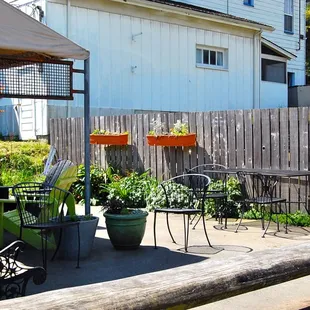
170	140
118	139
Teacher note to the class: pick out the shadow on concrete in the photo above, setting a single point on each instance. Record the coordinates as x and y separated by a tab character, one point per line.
105	264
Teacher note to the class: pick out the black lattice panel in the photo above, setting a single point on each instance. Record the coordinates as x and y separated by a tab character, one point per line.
29	79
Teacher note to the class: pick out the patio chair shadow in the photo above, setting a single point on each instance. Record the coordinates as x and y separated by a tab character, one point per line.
106	264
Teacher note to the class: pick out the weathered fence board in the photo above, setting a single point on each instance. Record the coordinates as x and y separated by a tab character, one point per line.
277	139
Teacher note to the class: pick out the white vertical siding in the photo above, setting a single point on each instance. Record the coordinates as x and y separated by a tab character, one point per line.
157	70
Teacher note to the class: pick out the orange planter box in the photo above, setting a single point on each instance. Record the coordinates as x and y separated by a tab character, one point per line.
118	139
170	140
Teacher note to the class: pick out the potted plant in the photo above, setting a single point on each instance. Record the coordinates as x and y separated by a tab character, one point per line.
68	248
124	214
101	136
178	136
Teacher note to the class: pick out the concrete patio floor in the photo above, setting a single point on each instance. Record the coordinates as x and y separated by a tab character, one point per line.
106	263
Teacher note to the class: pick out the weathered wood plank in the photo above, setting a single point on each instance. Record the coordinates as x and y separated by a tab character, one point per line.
265	139
179	288
179	150
200	138
186	150
231	133
257	139
240	138
223	138
248	137
166	150
215	137
172	150
294	155
208	138
124	149
192	126
103	160
303	155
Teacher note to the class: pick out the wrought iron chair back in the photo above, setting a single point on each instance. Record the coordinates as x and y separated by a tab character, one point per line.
44	208
186	198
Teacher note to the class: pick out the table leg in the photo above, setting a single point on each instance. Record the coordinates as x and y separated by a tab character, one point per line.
1	224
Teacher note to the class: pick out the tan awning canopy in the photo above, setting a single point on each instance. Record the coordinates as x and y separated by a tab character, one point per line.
23	36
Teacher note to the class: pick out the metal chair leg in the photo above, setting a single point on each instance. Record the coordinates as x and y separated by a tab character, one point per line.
286	222
205	229
241	218
192	220
58	245
185	229
197	221
167	220
79	246
154	229
270	216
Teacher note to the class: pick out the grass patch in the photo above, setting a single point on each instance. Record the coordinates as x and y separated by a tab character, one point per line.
22	161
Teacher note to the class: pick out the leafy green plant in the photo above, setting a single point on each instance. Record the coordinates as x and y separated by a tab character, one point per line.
129	192
179	129
81	218
234	195
106	132
295	219
98	179
178	196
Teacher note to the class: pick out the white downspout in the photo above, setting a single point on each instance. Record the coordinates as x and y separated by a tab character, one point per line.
256	69
68	35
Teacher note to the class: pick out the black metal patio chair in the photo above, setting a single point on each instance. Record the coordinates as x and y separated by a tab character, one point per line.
43	208
14	275
184	194
259	189
215	172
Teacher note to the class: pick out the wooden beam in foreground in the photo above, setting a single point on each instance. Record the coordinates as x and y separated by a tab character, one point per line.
183	287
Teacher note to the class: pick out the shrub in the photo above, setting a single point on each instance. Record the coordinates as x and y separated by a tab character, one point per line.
129	192
99	177
178	196
296	219
22	161
234	194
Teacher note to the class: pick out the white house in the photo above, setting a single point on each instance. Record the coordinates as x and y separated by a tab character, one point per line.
152	55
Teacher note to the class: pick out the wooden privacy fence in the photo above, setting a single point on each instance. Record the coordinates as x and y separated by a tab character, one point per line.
275	138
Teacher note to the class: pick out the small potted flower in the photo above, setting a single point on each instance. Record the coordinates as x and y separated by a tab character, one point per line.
178	136
101	136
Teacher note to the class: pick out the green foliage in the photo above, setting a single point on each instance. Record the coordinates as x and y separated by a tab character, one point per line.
178	196
98	179
129	192
105	132
296	219
22	161
234	194
179	129
81	218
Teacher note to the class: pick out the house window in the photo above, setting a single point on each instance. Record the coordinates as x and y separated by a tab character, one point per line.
248	2
211	57
273	71
288	16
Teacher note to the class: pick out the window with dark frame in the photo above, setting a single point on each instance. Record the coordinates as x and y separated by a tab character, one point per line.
288	16
273	71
